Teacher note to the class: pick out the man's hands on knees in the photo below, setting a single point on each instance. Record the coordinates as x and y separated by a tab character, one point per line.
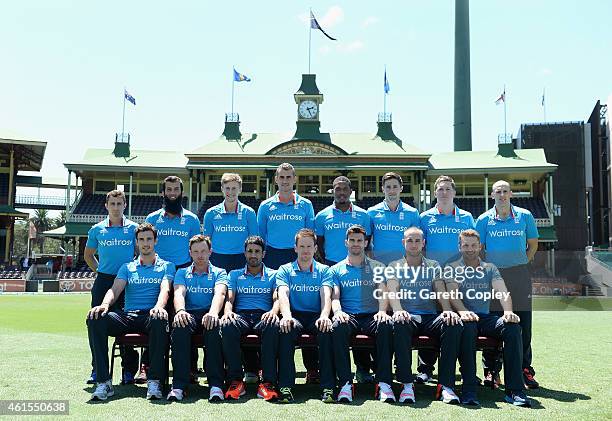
97	312
228	318
158	313
324	324
382	317
210	320
286	324
451	318
510	317
341	317
468	316
270	317
401	316
181	318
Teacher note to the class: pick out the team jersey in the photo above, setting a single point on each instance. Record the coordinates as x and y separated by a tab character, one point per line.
441	232
388	229
473	282
279	222
252	292
332	224
228	230
505	240
144	281
416	284
173	234
304	286
115	244
200	287
357	285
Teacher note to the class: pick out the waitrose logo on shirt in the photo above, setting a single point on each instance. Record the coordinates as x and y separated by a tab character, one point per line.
506	233
229	228
116	242
145	281
172	232
389	227
286	217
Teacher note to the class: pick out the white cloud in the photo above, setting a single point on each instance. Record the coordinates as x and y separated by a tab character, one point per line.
545	71
369	21
334	16
325	49
350	47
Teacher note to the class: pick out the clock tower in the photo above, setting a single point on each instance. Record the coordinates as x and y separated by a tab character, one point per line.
308	99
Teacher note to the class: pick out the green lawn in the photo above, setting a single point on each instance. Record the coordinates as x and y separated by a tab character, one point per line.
45	356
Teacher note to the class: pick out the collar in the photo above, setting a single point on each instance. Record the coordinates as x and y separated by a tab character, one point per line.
513	213
238	207
167	215
462	262
366	262
400	206
294	198
262	270
139	261
454	213
208	269
107	222
296	266
350	208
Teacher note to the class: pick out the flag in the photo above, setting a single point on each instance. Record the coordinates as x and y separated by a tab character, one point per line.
315	25
129	97
502	98
239	77
543	93
386	85
32	231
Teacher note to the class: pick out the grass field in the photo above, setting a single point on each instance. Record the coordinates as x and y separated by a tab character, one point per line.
45	356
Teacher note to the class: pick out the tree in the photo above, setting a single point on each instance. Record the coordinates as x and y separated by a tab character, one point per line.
59	220
42	222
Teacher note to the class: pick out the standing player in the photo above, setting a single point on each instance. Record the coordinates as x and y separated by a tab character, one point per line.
229	224
389	220
199	295
146	281
472	277
441	226
510	238
356	310
250	308
113	240
304	293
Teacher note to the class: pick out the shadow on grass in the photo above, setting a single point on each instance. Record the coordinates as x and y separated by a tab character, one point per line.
558	395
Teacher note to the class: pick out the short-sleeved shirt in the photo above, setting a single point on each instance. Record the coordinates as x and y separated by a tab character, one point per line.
144	281
357	285
505	240
200	287
417	284
173	234
228	230
441	232
252	292
388	229
115	244
304	286
473	282
332	224
278	222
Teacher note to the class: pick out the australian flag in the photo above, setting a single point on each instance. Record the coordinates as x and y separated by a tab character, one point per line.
239	77
129	97
315	25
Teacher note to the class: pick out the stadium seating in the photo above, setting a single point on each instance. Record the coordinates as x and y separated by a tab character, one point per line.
476	205
93	204
12	274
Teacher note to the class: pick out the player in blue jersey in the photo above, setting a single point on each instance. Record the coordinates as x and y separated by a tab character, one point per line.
510	238
330	226
304	294
357	310
414	284
250	308
441	226
389	219
281	216
146	281
228	224
199	295
113	240
478	283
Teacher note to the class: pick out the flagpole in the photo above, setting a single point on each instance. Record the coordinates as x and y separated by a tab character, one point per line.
233	82
123	120
544	103
505	99
309	40
385	96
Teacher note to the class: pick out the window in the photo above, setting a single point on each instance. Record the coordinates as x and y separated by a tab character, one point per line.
249	184
148	188
308	184
369	183
104	186
327	184
214	183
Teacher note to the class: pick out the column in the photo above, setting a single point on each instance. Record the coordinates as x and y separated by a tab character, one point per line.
486	191
130	196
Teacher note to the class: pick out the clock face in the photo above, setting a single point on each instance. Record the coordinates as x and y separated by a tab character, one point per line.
308	109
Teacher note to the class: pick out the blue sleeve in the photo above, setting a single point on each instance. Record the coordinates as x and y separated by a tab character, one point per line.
92	241
179	278
196	228
326	278
319	226
231	282
367	224
370	214
222	278
252	223
416	221
282	277
262	221
471	222
123	273
170	271
335	276
423	226
150	219
208	223
310	217
531	227
481	227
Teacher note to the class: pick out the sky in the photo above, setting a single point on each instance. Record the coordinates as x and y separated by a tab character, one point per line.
65	65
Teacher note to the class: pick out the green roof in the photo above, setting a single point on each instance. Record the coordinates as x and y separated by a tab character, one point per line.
139	160
71	229
8	210
465	162
351	143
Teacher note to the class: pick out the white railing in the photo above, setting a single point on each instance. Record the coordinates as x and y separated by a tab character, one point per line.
32	199
93	219
543	222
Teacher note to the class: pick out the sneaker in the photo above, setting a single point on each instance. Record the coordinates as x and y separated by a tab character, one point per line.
103	391
285	395
251	377
518	399
175	395
216	394
312	376
384	392
92	378
141	377
491	379
364	377
407	394
470	399
346	393
530	381
235	390
127	378
447	395
327	396
153	390
422	378
266	391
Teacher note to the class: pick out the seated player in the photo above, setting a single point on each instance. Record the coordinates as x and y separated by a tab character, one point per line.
146	281
199	295
304	293
250	308
474	279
